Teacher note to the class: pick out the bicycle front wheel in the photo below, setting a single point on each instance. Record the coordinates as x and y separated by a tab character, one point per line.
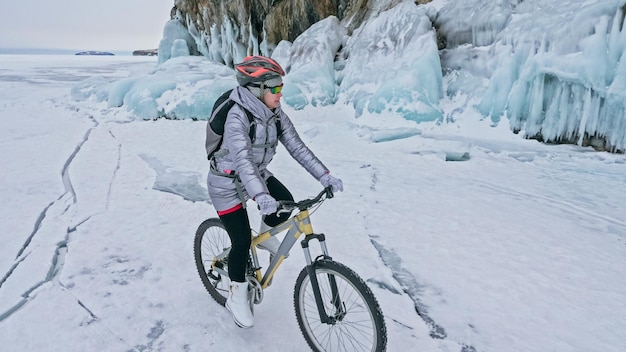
357	320
210	248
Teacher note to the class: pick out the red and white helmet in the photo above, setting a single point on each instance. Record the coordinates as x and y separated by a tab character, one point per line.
257	69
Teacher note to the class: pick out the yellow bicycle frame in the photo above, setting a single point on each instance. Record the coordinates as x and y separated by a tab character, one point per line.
295	227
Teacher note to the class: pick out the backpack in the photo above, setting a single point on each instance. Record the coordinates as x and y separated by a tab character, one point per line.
215	125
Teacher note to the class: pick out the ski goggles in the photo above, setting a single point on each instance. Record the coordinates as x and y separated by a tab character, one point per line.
275	90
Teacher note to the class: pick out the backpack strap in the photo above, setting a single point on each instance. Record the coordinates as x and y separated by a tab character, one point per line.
278	132
279	127
251	120
252	131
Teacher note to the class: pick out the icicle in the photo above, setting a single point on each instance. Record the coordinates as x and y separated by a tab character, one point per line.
564	114
585	116
550	129
535	108
616	39
253	43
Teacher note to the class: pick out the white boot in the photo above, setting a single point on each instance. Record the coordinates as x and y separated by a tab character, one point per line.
237	304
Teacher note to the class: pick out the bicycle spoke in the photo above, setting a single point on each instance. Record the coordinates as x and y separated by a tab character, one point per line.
211	246
356	321
353	321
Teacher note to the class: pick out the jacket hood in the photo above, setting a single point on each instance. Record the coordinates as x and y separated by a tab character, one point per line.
245	98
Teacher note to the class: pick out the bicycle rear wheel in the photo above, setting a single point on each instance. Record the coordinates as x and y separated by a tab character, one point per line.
358	320
212	241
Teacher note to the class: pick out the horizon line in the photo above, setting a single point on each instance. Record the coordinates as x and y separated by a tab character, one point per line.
34	50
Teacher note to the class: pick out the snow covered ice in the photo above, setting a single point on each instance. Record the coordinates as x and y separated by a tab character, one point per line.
471	237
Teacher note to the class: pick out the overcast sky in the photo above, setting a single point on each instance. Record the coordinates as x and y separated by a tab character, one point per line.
83	25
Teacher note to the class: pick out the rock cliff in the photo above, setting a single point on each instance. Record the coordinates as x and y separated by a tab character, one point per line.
227	29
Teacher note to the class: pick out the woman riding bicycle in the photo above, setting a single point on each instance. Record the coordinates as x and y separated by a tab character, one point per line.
239	169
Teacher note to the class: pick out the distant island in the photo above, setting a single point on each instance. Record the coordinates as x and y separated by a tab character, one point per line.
91	52
147	52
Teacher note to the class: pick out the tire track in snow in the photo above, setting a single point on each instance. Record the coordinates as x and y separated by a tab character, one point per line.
562	205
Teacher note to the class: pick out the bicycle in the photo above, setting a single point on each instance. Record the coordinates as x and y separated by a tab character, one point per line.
335	309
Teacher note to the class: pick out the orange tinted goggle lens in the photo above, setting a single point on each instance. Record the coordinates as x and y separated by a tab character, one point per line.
275	90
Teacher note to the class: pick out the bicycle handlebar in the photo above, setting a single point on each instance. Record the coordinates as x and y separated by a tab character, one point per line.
306	203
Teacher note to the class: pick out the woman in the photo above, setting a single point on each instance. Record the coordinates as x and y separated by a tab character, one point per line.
239	169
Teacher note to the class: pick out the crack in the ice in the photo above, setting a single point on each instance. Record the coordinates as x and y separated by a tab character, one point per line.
93	316
65	176
117	168
38	222
410	286
11	270
13	309
67	184
53	273
413	289
58	259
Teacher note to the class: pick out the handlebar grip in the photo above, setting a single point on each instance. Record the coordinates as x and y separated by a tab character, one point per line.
329	192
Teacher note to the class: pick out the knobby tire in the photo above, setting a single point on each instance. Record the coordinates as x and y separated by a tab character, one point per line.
212	239
361	328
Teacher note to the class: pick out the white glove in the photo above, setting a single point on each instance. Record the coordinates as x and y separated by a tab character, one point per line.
328	180
267	204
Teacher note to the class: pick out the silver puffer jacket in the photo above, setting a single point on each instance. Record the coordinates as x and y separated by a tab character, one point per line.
249	159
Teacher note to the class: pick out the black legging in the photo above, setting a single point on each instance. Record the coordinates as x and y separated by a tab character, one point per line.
237	225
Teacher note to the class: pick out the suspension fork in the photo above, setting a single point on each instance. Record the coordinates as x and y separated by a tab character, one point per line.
311	266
